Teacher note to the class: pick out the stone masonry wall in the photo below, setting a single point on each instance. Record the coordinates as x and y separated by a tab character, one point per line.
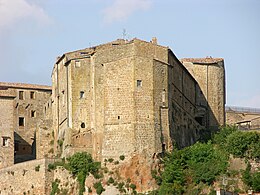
6	132
131	96
30	177
30	107
210	75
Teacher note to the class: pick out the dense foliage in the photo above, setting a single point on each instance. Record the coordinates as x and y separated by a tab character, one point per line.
195	164
80	164
202	163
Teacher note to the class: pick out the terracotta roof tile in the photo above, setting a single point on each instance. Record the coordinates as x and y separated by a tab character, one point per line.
25	86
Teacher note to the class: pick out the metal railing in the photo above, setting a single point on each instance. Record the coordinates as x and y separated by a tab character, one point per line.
242	109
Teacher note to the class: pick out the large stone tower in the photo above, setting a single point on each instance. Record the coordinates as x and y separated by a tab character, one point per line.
127	97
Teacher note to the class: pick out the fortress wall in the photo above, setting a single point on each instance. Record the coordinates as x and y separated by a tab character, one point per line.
118	108
184	130
6	132
216	94
160	106
23	178
211	79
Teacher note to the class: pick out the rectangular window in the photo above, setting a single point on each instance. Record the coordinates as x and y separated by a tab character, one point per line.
139	83
21	121
5	141
82	94
77	64
32	95
21	95
33	113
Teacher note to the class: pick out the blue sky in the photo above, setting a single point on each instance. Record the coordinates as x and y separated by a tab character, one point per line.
34	32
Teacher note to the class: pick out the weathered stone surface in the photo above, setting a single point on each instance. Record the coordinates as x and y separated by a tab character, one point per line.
134	96
31	177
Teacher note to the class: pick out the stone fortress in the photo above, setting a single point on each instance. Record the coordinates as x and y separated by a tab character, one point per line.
119	98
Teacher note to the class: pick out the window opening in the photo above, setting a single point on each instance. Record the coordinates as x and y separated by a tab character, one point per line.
21	121
139	83
77	64
5	141
21	95
82	94
32	95
83	125
33	113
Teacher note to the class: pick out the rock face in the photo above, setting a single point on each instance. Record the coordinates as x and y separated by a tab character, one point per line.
128	175
138	170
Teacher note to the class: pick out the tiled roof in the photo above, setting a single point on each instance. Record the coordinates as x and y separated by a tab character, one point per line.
25	86
207	60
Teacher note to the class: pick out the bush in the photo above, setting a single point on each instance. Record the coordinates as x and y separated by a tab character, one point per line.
110	160
256	182
133	186
37	168
122	157
205	162
99	188
60	142
81	164
242	144
55	187
110	180
220	137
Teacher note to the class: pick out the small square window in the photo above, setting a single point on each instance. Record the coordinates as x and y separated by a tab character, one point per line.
21	95
32	95
5	141
77	64
81	94
33	113
21	121
139	83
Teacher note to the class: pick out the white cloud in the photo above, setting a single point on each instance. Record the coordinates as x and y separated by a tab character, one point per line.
13	11
121	9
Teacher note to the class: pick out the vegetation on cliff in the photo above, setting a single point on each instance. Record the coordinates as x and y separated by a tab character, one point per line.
201	165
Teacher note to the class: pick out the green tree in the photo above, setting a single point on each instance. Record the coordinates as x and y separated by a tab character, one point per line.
205	162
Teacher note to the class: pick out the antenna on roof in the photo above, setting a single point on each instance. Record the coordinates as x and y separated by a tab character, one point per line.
124	33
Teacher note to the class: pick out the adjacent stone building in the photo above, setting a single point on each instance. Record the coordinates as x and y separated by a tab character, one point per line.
210	74
127	97
21	109
243	117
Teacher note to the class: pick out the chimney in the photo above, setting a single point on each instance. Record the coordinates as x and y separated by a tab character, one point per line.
154	40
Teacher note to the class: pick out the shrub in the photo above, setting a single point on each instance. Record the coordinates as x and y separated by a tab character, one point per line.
205	162
99	188
122	157
133	186
37	168
256	181
221	136
110	180
60	142
55	187
110	160
241	144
